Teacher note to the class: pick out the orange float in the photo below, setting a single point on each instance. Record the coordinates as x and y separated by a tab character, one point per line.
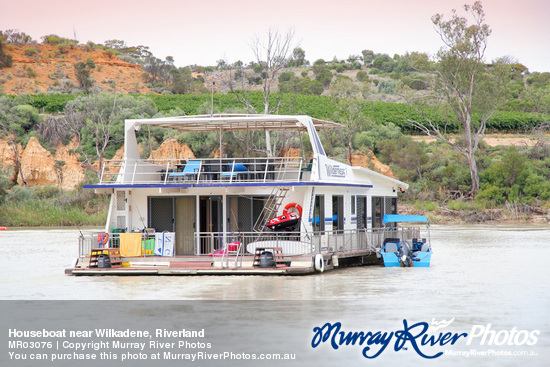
293	206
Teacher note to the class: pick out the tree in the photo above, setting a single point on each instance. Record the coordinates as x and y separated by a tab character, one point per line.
16	119
97	121
271	54
462	84
6	60
298	58
82	72
347	97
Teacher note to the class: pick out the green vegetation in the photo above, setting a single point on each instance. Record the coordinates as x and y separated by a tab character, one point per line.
48	206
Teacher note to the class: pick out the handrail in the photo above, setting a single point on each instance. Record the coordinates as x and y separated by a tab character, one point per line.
210	170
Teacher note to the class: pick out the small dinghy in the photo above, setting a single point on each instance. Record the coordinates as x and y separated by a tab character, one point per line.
283	222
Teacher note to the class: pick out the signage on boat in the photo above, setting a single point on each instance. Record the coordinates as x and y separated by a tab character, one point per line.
422	338
334	170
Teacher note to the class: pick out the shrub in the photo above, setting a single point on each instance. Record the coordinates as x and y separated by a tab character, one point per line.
340	68
285	76
375	134
30	72
416	83
387	86
6	61
362	76
31	51
21	193
324	77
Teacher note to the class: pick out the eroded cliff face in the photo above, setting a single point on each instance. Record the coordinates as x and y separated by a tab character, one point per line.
71	172
172	149
38	166
63	169
371	162
362	160
7	158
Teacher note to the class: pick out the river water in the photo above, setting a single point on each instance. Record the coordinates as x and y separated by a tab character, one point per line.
479	275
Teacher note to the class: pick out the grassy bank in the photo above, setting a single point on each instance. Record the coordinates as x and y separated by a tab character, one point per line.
52	207
40	215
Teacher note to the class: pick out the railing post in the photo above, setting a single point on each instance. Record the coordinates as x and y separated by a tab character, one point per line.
134	173
166	173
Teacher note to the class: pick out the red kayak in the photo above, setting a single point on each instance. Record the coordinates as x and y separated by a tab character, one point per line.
284	221
3	228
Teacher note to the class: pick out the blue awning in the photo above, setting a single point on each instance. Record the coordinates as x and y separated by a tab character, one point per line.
391	218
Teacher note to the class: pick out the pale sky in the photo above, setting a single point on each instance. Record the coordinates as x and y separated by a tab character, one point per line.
204	31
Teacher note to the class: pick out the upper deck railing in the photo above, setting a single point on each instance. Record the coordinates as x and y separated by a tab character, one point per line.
204	171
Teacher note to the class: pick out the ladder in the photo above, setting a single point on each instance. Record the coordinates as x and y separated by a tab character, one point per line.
238	252
271	207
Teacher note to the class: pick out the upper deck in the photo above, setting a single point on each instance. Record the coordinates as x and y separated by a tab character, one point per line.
207	171
312	168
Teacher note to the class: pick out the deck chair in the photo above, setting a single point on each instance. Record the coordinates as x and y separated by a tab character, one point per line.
190	171
234	171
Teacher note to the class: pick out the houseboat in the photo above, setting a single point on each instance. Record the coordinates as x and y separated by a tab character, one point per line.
237	213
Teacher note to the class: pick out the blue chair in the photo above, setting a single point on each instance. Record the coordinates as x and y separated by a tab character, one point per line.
234	171
190	171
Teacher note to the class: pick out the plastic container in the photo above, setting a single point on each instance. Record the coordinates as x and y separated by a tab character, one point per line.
103	261
266	260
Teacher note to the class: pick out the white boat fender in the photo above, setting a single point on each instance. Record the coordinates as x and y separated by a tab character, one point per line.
335	261
319	263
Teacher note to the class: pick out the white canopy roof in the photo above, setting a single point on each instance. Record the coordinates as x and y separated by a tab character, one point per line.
234	122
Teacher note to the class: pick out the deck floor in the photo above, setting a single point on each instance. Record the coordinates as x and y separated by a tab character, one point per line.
206	265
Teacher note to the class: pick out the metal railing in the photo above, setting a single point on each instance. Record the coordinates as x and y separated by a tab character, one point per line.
89	240
211	170
293	243
238	244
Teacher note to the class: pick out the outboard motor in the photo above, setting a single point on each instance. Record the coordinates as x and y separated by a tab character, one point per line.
405	254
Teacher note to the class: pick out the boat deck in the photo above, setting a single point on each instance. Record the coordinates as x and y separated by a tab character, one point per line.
204	265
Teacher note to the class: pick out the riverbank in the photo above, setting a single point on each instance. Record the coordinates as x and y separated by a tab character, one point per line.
25	215
469	214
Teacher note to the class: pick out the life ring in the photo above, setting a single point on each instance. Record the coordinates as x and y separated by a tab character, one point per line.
293	206
319	263
102	239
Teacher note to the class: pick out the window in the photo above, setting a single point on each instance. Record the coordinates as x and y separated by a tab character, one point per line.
377	211
337	213
319	214
362	211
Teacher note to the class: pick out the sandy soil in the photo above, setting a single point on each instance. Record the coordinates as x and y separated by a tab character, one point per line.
50	68
497	139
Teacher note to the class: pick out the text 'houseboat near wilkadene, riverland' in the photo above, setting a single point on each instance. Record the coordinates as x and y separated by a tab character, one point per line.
237	215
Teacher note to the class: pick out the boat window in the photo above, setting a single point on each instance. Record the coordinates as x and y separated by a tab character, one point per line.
377	211
319	214
353	204
390	205
243	212
361	212
337	212
393	205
